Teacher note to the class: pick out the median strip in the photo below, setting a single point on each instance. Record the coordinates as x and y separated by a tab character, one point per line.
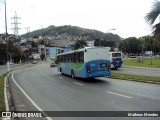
139	78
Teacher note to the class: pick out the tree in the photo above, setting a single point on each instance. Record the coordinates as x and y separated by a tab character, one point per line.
152	16
34	44
131	45
110	43
105	43
156	44
80	44
42	56
97	42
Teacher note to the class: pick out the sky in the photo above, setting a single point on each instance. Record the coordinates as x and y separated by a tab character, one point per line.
125	16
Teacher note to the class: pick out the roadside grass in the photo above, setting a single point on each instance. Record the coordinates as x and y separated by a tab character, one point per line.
2	100
135	77
145	63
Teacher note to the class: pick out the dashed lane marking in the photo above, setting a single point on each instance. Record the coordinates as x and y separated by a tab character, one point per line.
48	118
61	77
77	83
118	94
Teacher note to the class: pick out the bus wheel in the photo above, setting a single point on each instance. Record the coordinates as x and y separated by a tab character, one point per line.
61	70
115	68
72	74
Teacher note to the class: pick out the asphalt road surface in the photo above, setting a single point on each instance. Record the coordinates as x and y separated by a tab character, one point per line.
48	90
139	71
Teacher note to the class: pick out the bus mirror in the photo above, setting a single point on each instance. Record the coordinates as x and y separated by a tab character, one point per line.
85	50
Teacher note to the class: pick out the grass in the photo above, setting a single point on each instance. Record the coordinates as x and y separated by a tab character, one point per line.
135	77
146	63
2	100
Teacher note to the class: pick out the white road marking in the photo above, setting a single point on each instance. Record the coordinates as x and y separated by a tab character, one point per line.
48	118
61	77
118	94
77	83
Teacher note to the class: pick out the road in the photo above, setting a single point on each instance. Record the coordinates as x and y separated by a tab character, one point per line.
51	91
139	71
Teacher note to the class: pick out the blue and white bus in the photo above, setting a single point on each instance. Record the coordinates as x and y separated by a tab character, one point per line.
116	59
85	63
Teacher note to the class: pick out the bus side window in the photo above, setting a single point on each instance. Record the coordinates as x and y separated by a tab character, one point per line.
81	57
69	57
59	60
74	57
62	58
65	58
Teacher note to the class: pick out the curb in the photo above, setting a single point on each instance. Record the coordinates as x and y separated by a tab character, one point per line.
141	67
7	92
143	81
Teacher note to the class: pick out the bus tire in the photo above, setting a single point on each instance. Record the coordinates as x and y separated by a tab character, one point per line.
72	74
61	70
115	68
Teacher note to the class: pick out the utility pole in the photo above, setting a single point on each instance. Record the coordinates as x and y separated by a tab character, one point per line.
150	50
27	28
8	66
15	24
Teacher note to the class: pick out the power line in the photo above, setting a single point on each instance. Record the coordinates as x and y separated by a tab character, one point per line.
27	31
16	24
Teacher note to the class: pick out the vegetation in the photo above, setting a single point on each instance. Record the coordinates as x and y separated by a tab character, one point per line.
150	19
135	77
12	52
73	31
140	45
105	43
80	44
42	56
146	63
2	103
152	16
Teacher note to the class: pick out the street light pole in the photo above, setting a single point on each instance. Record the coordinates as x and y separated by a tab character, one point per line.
107	32
111	29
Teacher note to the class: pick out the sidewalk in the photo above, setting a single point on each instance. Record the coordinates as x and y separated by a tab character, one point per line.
136	67
4	66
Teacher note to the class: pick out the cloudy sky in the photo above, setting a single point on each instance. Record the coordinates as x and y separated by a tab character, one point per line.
126	16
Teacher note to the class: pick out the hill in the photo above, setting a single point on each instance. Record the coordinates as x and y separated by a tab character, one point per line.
74	31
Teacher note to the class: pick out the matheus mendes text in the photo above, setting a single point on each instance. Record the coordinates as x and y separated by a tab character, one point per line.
145	114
